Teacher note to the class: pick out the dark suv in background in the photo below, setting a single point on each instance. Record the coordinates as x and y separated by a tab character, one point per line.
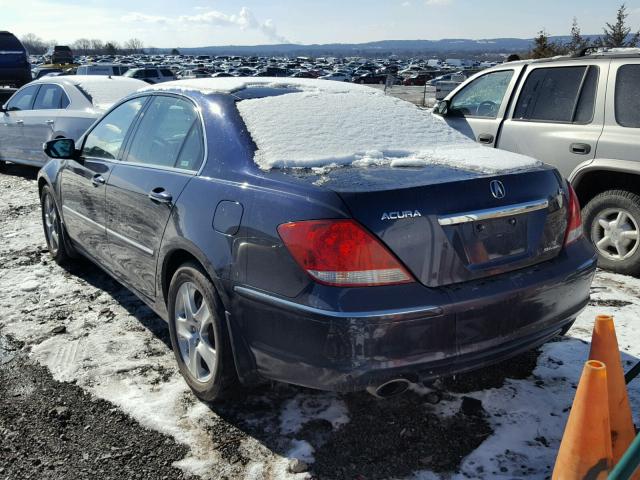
15	70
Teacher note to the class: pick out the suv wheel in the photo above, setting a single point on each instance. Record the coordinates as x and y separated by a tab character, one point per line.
198	335
612	221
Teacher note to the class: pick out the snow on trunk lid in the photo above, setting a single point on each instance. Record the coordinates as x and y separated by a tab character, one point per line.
320	128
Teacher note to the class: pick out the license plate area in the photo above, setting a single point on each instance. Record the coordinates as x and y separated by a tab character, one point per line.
490	240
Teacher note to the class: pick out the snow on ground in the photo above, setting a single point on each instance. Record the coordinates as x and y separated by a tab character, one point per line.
117	349
377	129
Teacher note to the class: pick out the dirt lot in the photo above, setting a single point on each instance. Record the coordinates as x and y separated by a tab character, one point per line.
89	389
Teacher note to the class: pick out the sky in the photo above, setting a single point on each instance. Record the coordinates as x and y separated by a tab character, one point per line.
193	23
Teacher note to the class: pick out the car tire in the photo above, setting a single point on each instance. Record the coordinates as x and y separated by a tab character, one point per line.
199	337
53	229
610	220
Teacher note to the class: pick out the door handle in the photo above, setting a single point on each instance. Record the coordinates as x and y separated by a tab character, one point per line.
160	195
49	122
20	122
98	180
485	138
580	148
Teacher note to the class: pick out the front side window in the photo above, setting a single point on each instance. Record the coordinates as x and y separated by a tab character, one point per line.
50	97
23	99
168	135
105	140
482	97
558	94
627	96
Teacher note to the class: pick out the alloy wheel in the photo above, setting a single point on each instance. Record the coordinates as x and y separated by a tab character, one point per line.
51	224
194	330
615	234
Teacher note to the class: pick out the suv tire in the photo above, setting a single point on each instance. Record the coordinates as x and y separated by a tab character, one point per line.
612	222
199	335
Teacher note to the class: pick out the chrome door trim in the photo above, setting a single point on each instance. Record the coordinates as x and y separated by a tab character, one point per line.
490	213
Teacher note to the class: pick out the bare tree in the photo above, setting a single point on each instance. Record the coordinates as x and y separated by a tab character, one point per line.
82	46
97	46
134	45
34	44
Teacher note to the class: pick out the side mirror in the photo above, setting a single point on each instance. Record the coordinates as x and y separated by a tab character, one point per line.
3	108
442	108
62	148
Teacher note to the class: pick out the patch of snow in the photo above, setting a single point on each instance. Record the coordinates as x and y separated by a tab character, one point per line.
316	128
105	91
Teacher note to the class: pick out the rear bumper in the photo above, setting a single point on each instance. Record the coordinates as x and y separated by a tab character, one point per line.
406	331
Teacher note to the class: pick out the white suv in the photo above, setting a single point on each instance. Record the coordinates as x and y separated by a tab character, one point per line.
580	114
151	75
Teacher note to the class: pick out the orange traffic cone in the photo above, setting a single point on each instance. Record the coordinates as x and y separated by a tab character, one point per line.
604	348
585	450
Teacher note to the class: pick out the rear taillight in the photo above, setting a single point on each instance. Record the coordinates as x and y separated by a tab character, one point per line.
342	253
574	224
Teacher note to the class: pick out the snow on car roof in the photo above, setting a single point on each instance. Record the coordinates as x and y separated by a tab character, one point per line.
102	91
360	127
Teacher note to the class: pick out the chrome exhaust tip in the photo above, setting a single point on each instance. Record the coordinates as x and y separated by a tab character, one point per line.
389	389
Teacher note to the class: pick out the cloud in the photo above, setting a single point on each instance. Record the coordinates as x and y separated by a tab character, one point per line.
437	3
245	20
406	4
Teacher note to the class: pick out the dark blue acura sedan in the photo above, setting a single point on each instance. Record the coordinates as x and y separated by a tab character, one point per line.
317	233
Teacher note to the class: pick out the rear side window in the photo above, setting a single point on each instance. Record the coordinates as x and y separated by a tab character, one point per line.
105	140
561	94
49	97
23	99
167	135
8	42
151	72
627	97
166	72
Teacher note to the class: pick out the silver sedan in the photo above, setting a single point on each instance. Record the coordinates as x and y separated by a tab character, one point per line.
56	107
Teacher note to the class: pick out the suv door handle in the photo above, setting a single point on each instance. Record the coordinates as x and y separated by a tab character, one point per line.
49	122
485	138
160	195
98	180
20	122
580	148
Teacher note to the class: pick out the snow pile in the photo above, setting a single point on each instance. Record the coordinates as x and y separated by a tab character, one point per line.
105	91
315	128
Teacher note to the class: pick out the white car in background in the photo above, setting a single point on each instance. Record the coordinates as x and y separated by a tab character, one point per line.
338	77
55	107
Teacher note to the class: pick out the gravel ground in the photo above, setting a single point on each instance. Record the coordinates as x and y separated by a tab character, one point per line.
89	388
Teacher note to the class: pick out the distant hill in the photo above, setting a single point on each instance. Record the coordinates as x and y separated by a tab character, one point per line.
448	47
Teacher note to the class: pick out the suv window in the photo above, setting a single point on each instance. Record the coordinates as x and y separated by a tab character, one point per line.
50	97
23	99
166	72
482	97
558	94
105	140
8	42
165	133
150	72
627	96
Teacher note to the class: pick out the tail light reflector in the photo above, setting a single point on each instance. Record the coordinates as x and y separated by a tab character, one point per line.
574	224
342	253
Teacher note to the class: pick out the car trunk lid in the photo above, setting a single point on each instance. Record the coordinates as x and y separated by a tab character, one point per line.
447	226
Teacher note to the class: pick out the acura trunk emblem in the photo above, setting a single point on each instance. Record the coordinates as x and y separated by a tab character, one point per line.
497	189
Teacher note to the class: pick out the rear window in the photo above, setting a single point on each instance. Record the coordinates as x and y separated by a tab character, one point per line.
9	42
627	97
560	94
104	92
